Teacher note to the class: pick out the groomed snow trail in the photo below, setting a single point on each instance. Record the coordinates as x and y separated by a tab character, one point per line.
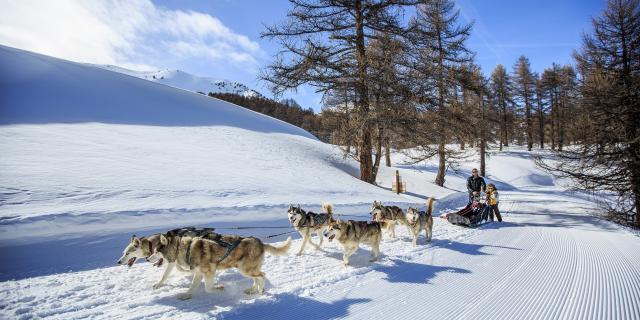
541	263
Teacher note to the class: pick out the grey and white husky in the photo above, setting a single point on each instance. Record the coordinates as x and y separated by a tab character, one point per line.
307	223
144	247
420	220
351	234
390	214
205	257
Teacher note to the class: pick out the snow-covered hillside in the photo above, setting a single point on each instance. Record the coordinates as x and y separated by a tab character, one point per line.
81	141
187	81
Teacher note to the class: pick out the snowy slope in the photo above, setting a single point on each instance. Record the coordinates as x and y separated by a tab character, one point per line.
187	81
81	141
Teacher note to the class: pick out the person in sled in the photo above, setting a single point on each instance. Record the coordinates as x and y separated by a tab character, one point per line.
492	201
475	185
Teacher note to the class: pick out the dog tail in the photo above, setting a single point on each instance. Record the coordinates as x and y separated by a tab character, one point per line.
327	208
429	207
278	251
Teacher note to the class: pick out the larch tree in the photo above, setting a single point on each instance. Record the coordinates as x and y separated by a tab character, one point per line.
608	157
325	45
439	43
501	88
540	108
525	92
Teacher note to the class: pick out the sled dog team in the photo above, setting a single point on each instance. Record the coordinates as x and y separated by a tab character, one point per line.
203	251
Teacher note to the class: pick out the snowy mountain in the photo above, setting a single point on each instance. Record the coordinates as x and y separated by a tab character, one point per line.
187	81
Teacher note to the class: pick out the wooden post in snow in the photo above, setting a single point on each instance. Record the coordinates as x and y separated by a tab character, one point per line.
398	186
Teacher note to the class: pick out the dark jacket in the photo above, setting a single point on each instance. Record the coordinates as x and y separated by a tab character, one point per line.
475	184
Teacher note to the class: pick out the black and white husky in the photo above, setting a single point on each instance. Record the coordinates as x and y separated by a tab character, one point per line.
307	223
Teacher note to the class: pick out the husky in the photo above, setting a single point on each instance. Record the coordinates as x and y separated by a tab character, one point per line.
205	257
392	214
420	220
144	247
307	223
351	234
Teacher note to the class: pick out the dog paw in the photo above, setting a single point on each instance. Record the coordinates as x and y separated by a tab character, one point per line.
157	285
184	296
299	254
250	291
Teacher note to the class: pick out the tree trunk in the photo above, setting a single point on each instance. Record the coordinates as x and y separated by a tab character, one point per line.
441	165
540	120
561	122
387	148
527	107
503	123
633	132
441	95
553	122
506	130
366	164
483	141
378	154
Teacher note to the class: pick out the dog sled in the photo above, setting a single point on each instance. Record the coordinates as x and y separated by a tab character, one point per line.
473	215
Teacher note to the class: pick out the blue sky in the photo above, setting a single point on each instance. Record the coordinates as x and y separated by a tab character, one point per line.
220	38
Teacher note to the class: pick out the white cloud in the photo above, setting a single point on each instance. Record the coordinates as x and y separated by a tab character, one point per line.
134	33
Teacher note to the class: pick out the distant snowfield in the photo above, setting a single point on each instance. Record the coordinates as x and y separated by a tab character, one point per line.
187	81
89	156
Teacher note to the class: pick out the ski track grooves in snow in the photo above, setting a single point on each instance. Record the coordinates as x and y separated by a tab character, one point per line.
532	266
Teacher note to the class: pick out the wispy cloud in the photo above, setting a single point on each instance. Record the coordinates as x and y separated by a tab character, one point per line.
467	10
135	34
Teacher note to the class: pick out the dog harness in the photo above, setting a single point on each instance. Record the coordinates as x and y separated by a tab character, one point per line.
316	219
220	242
386	213
229	247
364	225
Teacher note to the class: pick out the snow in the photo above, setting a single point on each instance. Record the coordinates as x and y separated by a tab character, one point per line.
90	156
184	80
113	148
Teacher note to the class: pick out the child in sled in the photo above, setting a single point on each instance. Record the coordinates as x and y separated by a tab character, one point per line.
492	199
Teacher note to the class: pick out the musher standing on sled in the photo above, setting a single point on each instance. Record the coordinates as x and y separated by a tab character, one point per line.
475	185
